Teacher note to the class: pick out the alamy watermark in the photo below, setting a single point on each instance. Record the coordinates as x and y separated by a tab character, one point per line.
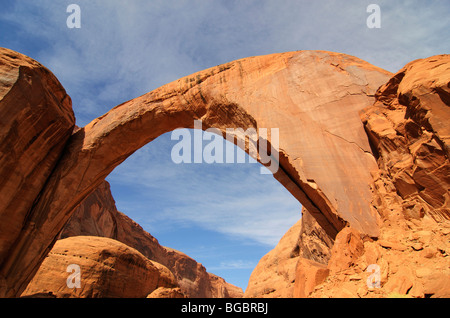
74	279
374	19
259	144
74	19
374	279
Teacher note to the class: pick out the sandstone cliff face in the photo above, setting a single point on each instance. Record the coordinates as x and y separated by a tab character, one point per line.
304	248
313	243
97	215
274	275
36	120
408	129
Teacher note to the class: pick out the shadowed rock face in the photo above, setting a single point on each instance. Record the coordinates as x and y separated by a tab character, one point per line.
409	129
312	97
36	120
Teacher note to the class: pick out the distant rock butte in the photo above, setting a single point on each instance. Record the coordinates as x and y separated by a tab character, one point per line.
365	152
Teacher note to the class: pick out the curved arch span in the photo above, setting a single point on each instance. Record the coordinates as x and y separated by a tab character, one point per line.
312	97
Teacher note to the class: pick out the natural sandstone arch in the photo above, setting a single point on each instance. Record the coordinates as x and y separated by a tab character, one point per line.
313	97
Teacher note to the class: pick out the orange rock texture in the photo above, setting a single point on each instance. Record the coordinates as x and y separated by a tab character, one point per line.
36	120
274	275
365	152
107	269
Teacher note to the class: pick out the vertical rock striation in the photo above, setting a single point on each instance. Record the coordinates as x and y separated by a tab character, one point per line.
36	120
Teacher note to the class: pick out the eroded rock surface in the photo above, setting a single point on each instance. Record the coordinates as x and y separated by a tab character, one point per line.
107	268
408	129
36	120
274	275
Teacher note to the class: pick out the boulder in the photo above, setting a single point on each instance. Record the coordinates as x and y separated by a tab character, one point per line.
106	267
347	248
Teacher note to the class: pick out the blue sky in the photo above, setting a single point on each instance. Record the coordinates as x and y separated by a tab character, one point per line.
226	216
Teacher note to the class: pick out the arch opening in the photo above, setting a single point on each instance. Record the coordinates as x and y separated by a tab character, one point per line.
226	216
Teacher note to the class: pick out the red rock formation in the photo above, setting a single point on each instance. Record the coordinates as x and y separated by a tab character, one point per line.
98	216
410	191
313	242
347	248
108	269
309	274
408	130
36	120
279	272
221	289
274	275
165	292
408	127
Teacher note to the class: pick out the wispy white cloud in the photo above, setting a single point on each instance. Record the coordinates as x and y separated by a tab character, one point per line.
262	218
233	264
